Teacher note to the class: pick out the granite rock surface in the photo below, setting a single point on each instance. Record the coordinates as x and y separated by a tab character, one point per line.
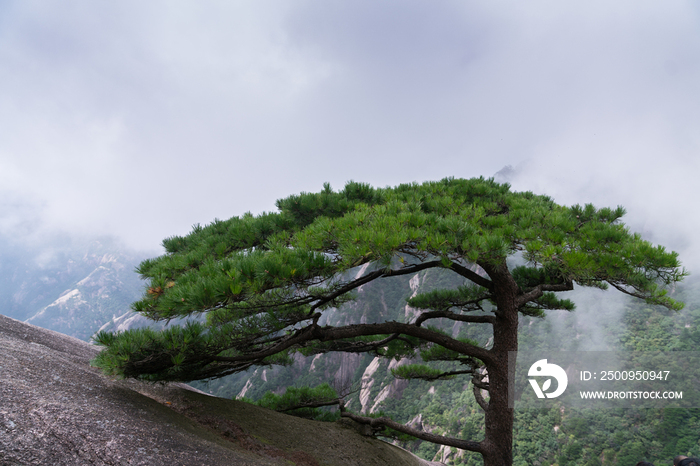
55	409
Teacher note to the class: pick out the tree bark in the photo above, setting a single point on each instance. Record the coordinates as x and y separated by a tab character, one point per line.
498	438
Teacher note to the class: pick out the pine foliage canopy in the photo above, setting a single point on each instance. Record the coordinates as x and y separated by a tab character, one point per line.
257	286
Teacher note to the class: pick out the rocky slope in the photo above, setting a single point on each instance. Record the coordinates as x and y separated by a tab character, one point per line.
56	409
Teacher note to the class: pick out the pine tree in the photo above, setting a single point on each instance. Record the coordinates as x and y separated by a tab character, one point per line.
256	286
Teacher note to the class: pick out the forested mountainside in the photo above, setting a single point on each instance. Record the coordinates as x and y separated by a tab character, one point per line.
603	320
70	286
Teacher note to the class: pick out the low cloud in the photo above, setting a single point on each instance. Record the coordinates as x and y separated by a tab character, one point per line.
140	119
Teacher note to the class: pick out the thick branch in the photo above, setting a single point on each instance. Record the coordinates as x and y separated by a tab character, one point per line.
373	276
540	289
342	333
357	346
413	268
472	276
299	337
440	376
350	331
439	439
452	316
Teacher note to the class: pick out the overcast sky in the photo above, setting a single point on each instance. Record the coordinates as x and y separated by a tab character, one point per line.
140	119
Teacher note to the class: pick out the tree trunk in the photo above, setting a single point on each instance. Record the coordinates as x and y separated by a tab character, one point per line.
498	439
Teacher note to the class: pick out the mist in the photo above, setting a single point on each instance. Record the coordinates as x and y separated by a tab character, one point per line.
138	120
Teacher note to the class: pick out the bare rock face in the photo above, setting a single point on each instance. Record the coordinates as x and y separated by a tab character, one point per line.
57	410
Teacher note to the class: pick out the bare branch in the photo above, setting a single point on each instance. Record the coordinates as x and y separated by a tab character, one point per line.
313	404
439	439
627	292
